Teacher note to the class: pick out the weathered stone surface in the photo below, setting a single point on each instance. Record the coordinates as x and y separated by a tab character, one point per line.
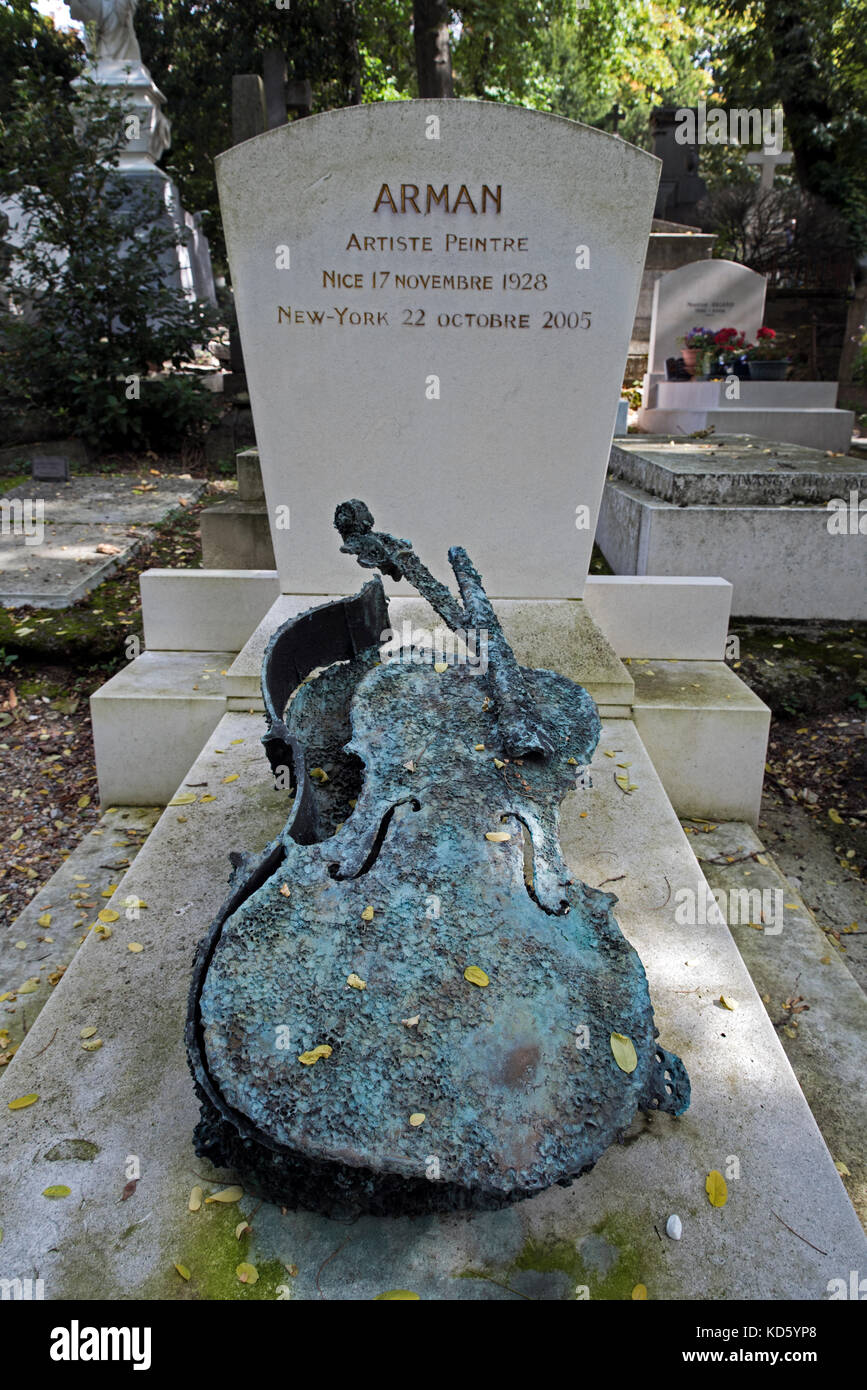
733	470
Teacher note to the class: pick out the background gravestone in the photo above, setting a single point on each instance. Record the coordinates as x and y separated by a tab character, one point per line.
705	294
437	353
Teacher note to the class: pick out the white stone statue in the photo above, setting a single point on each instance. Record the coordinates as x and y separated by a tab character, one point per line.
113	34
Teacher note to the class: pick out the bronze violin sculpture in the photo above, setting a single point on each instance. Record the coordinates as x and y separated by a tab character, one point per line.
408	1003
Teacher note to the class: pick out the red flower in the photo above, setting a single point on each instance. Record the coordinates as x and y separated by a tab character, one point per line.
725	335
767	333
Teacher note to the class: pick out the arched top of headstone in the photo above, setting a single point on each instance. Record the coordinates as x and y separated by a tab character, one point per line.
703	294
435	301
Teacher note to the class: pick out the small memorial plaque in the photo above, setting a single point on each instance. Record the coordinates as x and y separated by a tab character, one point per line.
50	468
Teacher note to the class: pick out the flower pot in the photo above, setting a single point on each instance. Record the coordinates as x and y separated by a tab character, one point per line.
769	370
690	357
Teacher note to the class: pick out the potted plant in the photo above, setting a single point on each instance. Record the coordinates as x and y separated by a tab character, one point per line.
696	344
768	357
731	347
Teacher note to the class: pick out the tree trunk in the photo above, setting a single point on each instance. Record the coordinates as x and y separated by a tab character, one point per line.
433	57
802	91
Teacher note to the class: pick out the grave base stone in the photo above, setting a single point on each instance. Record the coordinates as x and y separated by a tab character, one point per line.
236	534
739	507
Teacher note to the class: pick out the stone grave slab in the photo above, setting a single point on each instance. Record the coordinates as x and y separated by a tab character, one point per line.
781	523
786	1230
736	469
435	301
77	518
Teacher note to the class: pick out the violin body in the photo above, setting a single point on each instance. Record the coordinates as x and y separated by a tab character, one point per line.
407	1002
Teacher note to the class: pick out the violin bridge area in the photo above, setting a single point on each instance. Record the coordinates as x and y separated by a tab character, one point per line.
785	1230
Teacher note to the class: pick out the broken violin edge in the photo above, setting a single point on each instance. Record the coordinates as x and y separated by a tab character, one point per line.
408	1002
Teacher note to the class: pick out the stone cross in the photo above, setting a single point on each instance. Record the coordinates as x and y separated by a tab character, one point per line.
768	159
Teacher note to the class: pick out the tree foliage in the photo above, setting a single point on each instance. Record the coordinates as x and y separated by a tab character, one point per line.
87	309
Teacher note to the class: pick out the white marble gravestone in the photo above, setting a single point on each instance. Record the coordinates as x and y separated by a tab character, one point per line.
435	301
704	294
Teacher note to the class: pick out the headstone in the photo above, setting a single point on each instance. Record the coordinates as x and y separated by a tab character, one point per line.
274	70
680	187
435	300
248	107
705	294
50	468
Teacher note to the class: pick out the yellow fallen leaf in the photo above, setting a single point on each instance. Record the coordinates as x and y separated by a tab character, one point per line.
207	797
367	914
182	1271
310	1058
440	666
498	764
285	890
319	775
232	777
82	802
825	960
835	816
476	976
624	1052
195	1202
226	1194
356	982
58	1190
498	837
479	747
110	891
134	946
87	1032
716	1189
247	1274
237	740
183	799
242	1228
108	914
29	987
841	1168
727	1002
396	1296
93	1045
23	1101
45	920
21	945
417	1119
639	1292
608	755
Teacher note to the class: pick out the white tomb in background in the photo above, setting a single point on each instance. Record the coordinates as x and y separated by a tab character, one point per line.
722	294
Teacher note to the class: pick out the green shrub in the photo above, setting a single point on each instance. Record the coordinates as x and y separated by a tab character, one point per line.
90	311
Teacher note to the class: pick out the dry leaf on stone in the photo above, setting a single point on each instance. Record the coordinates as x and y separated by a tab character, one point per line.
624	1052
23	1102
226	1194
476	976
716	1189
